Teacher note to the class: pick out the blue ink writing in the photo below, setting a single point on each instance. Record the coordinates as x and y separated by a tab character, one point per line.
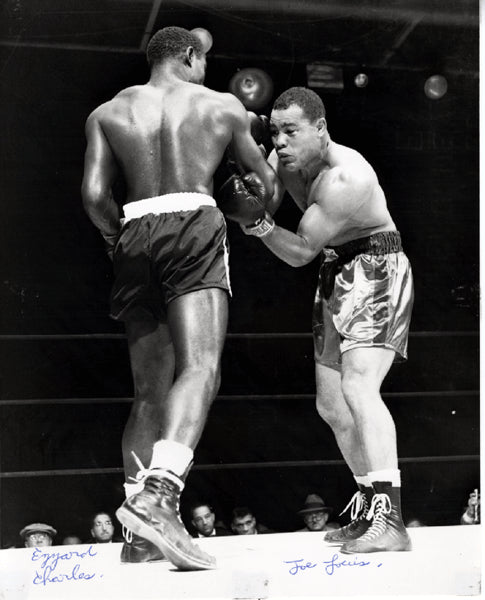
55	557
45	576
50	561
333	564
298	567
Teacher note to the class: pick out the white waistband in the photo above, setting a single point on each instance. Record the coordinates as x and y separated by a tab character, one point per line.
166	204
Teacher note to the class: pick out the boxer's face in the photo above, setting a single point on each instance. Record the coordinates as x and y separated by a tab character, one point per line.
297	141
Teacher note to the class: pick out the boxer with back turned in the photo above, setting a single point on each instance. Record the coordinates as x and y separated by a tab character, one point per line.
171	282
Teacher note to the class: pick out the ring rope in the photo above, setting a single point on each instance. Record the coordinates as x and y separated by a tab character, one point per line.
236	397
236	336
233	466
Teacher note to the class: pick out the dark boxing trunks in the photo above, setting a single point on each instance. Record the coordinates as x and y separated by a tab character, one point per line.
364	298
159	257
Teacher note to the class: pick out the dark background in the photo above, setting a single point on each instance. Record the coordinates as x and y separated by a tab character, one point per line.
65	392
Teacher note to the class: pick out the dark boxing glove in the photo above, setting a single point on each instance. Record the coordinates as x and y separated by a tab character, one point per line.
242	199
261	135
260	129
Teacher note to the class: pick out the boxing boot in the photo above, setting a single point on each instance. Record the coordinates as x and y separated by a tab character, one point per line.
136	549
386	532
153	514
359	507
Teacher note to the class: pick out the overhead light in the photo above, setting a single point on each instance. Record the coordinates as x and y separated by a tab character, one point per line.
254	87
361	80
435	87
204	36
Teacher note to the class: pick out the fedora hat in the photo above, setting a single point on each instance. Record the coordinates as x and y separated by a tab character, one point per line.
313	503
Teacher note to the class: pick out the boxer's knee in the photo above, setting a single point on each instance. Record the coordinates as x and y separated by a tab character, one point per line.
360	388
333	413
206	375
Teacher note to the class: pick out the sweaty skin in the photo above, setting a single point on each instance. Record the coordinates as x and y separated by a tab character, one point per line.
167	136
164	137
336	189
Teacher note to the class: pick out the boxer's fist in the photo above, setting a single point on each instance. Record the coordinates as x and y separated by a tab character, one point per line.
242	199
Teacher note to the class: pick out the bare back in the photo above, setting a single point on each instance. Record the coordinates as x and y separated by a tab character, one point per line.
167	139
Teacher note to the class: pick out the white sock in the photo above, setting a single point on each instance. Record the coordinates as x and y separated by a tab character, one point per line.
392	475
172	456
132	488
362	480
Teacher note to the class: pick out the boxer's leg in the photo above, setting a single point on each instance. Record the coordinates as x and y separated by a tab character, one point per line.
152	365
333	409
197	323
363	371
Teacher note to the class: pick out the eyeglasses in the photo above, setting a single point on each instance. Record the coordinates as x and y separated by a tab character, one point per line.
37	536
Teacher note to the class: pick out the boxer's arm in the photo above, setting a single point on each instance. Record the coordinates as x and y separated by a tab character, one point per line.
100	173
314	232
320	224
247	151
274	203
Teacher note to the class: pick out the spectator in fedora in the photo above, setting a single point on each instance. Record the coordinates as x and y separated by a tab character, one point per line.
315	514
37	535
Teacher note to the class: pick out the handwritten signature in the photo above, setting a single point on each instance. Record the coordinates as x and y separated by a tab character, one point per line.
330	566
47	573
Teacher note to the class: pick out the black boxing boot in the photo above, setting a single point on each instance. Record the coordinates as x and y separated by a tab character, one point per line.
386	532
359	507
153	514
136	549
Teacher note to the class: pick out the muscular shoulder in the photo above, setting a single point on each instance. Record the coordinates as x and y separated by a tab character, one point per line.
227	105
107	109
353	176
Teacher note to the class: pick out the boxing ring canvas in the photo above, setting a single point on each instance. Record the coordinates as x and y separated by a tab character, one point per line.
444	562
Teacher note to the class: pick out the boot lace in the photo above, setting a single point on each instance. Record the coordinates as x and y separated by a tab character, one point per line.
358	506
127	534
143	472
379	509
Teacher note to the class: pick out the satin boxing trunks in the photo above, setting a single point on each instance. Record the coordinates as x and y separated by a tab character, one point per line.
168	246
364	298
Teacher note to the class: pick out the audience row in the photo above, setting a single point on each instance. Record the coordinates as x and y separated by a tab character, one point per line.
315	515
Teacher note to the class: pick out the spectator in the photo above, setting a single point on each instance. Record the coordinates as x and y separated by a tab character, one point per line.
316	514
203	519
471	516
71	540
243	522
102	529
37	535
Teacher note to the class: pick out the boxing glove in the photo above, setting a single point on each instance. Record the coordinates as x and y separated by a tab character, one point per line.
242	199
260	133
260	129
